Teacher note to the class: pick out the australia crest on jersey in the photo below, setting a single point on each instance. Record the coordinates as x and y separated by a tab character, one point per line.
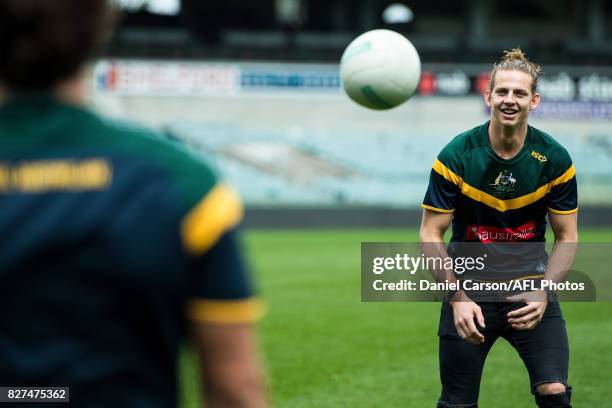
504	183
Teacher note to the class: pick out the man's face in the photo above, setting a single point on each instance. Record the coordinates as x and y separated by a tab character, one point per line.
511	99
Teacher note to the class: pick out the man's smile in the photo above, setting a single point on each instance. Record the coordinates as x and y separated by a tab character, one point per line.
509	113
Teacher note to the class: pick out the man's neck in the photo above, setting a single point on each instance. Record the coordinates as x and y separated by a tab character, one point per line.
71	91
507	141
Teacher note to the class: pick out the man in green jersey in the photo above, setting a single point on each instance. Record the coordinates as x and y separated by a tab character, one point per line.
496	184
116	245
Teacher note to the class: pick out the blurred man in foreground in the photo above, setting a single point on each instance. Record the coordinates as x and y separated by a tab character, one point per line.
115	244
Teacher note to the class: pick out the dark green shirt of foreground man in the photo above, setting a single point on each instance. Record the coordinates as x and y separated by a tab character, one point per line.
116	246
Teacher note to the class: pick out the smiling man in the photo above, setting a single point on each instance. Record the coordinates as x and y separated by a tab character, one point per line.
497	183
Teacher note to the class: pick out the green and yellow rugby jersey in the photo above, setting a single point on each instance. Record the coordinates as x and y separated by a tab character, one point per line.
112	239
497	200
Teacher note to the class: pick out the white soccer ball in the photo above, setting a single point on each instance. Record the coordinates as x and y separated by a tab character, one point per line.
380	69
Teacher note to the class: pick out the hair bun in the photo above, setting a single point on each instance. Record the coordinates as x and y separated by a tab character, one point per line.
515	54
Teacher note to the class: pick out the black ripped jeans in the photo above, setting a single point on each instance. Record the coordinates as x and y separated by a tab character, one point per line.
544	350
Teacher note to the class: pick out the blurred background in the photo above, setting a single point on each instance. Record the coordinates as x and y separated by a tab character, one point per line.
254	87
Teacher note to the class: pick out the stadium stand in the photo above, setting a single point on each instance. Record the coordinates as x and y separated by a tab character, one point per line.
385	169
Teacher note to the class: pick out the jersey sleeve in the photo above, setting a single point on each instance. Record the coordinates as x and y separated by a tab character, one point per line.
205	214
563	195
444	183
220	287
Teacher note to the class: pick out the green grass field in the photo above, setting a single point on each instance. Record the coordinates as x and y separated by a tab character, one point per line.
324	348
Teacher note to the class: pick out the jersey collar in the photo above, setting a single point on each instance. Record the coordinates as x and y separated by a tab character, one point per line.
484	131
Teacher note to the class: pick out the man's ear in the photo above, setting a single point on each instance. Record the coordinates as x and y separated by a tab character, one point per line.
535	101
487	97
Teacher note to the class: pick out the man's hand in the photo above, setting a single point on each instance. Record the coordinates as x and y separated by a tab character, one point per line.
529	316
464	313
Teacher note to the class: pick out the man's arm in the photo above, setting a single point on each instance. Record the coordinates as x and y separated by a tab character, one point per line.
465	311
230	368
433	227
565	229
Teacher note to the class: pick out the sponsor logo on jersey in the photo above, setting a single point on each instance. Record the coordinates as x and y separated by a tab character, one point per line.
504	182
541	158
40	176
488	234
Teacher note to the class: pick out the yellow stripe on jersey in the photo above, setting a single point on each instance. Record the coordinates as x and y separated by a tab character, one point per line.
225	311
447	173
216	213
552	210
565	177
436	209
504	205
496	203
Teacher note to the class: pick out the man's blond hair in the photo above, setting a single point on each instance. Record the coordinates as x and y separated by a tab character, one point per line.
516	60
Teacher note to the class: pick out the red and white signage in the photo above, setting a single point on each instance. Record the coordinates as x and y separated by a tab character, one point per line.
166	78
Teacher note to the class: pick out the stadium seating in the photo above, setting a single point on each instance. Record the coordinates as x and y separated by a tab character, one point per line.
313	168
